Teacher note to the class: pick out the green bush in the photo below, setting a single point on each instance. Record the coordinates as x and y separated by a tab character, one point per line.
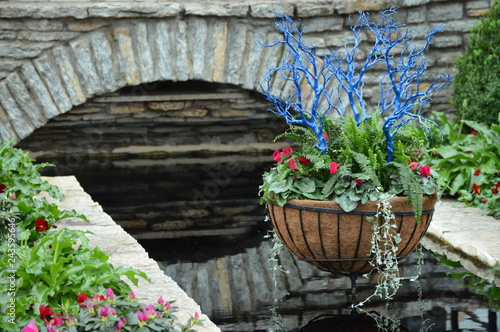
477	82
468	164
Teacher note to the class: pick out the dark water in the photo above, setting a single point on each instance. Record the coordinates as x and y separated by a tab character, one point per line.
230	276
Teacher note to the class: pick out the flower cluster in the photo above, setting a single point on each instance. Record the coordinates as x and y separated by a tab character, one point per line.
112	313
353	169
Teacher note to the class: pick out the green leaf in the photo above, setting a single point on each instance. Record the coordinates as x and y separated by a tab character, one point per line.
345	203
305	185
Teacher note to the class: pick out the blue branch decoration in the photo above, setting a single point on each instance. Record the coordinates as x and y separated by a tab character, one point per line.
328	79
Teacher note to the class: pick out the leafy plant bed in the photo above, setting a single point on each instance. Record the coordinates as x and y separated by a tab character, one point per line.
49	270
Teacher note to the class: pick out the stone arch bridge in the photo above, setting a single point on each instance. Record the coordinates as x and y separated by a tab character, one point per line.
57	55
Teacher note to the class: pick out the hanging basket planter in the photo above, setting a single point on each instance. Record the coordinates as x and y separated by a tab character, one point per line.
324	235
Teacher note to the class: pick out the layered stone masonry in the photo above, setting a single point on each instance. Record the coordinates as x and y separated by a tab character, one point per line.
55	56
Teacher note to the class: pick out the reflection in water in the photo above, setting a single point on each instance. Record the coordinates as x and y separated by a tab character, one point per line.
231	281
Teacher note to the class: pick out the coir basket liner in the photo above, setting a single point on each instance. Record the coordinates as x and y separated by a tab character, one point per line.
321	233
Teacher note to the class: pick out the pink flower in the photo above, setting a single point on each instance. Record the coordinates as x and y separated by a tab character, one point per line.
304	161
132	295
56	321
293	165
141	316
333	167
31	327
167	305
51	329
119	325
425	171
161	301
288	150
110	294
358	181
104	312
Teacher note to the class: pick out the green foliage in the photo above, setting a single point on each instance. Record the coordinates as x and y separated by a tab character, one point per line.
477	82
57	268
468	164
474	283
360	171
21	182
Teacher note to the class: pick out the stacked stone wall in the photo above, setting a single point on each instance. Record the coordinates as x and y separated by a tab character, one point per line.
57	55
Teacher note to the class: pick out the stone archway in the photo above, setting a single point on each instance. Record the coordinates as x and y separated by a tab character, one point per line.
128	53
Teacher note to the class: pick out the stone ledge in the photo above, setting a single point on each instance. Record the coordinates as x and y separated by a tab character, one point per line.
124	249
463	234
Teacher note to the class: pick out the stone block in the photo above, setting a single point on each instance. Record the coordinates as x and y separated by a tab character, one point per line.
445	12
323	24
46	36
479	12
82	57
350	7
230	113
165	49
105	60
188	113
183	66
225	8
129	108
220	48
198	40
143	51
21	50
48	72
265	10
169	105
24	105
315	8
41	94
86	26
447	41
68	74
126	55
134	9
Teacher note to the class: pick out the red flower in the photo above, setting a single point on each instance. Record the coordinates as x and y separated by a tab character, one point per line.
293	165
2	188
82	298
425	171
358	181
45	311
287	150
477	172
494	190
41	225
413	164
476	188
473	132
333	167
497	185
277	155
303	161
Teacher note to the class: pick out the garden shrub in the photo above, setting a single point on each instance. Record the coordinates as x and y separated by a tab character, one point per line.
477	81
468	164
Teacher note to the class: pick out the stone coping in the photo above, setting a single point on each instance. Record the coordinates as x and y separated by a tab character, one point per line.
125	250
463	234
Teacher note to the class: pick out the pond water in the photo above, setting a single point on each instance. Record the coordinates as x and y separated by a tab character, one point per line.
215	249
